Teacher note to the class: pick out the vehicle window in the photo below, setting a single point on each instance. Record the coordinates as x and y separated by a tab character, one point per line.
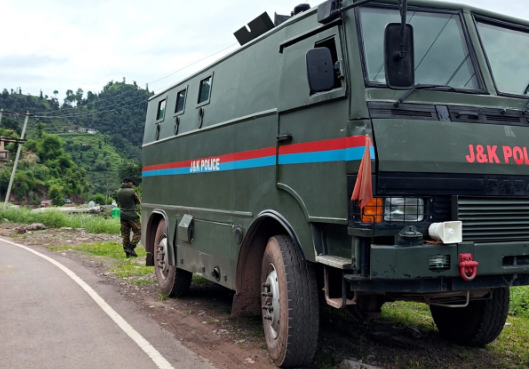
161	110
205	88
180	101
442	56
507	51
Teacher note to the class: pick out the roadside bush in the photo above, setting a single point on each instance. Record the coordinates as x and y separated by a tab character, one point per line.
57	219
99	198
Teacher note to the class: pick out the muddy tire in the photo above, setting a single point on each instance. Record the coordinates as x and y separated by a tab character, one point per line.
478	324
172	280
289	301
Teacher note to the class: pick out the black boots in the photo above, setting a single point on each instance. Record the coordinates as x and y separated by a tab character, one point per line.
129	251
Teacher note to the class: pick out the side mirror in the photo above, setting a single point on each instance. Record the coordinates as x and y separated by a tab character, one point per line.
320	69
399	61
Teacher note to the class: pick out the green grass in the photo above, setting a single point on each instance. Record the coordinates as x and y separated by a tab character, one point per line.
197	279
144	281
57	219
113	250
520	301
509	350
121	266
128	268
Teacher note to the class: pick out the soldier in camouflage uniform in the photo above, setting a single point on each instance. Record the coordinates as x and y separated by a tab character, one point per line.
130	220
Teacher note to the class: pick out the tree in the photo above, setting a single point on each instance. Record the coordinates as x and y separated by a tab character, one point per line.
56	195
10	123
69	99
40	129
132	170
50	148
79	96
99	198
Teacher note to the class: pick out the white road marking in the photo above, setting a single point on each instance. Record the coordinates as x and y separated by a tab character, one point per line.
156	357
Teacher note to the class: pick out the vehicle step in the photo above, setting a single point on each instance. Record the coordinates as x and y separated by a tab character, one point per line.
335	261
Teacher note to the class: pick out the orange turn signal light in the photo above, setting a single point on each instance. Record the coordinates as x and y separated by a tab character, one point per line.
373	212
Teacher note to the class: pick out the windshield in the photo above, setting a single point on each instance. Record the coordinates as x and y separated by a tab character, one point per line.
508	52
441	53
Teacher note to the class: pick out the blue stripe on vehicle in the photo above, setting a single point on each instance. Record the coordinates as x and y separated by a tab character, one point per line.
312	157
166	172
354	153
249	163
357	153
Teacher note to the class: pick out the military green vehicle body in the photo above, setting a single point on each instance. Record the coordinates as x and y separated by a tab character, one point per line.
243	151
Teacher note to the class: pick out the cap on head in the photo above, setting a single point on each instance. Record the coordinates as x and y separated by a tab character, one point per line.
127	180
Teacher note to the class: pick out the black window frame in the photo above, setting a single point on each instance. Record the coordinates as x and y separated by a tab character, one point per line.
177	113
475	64
480	18
205	102
159	120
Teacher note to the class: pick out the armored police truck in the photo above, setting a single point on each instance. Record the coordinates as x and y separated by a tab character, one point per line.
249	167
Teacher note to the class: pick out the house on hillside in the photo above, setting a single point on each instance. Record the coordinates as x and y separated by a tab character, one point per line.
91	131
4	154
82	130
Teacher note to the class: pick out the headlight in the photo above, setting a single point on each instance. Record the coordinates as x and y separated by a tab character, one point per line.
401	209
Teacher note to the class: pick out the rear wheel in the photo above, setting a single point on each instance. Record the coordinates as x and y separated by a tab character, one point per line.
478	324
289	300
172	280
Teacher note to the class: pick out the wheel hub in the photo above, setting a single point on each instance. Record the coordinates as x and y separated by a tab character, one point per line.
271	304
161	258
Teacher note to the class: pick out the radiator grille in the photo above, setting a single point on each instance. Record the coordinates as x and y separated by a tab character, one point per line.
493	219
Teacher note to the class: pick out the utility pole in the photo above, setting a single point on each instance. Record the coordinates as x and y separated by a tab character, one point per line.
16	161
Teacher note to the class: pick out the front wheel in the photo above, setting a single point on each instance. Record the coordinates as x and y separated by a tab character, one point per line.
172	280
478	324
289	301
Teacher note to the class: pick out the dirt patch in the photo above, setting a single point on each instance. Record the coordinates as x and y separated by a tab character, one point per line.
201	321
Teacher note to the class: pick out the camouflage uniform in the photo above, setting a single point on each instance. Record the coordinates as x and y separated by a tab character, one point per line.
127	200
126	226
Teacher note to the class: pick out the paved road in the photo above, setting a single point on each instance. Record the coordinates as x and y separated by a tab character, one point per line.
47	320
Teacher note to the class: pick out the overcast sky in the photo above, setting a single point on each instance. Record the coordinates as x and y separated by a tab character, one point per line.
62	44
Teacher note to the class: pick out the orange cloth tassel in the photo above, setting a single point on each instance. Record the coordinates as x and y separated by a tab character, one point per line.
363	191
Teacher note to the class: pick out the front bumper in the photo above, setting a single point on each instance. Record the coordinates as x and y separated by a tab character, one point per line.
407	269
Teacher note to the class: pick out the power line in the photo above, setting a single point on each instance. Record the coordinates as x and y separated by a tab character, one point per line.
110	104
159	79
77	113
16	114
196	62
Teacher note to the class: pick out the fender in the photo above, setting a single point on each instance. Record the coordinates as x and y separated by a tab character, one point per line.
246	301
151	232
281	220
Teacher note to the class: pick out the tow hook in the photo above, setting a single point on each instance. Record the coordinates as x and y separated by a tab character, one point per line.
468	268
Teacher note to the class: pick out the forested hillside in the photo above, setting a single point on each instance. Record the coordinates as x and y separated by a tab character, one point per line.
97	138
117	111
